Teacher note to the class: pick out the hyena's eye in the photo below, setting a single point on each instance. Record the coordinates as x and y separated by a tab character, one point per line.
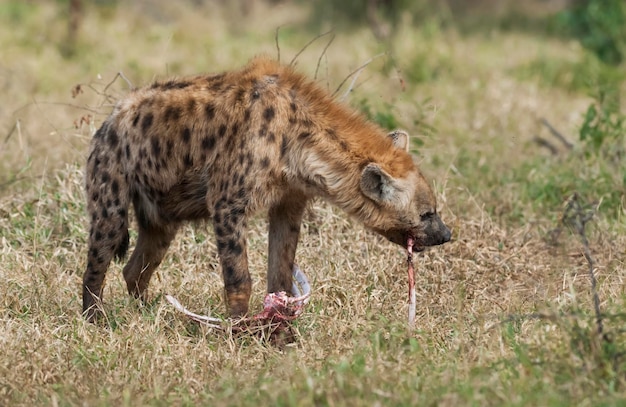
426	216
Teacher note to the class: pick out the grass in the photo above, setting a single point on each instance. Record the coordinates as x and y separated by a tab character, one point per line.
505	312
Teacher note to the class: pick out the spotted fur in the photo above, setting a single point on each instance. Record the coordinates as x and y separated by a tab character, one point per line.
223	147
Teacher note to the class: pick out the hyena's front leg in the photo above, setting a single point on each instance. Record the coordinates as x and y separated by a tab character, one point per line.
229	223
284	229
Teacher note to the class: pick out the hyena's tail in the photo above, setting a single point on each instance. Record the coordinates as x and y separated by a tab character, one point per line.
108	201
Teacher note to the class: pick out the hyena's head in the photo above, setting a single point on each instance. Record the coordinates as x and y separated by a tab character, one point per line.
406	205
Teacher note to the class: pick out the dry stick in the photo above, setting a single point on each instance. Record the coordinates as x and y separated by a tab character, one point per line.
319	60
15	126
545	143
577	217
307	45
276	41
358	70
556	134
120	74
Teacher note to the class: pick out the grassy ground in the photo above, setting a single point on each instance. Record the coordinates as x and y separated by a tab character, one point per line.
505	312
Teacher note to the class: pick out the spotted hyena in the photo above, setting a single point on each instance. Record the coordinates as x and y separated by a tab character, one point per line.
226	146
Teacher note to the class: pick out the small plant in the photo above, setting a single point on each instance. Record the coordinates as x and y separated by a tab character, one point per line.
604	126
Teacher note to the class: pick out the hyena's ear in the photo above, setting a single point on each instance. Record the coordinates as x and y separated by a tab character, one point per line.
376	184
400	139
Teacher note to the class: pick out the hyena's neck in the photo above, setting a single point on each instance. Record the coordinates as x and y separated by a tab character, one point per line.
329	161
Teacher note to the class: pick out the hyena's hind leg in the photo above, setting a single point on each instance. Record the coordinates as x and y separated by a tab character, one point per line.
108	238
152	244
107	203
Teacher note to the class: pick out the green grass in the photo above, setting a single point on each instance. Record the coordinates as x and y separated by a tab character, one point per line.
505	312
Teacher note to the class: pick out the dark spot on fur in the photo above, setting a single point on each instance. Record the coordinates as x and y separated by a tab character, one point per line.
241	193
208	142
112	137
136	119
283	146
304	135
191	106
239	95
268	114
271	137
209	111
219	231
332	134
234	247
186	135
188	160
265	162
222	130
171	84
170	148
293	107
156	146
115	187
127	148
246	115
147	122
172	113
105	213
236	212
105	177
98	237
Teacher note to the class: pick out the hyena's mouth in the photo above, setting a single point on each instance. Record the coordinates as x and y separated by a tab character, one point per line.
401	238
410	240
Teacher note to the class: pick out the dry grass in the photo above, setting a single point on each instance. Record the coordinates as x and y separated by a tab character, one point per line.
504	317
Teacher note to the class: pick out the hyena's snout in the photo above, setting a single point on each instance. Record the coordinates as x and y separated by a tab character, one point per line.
436	231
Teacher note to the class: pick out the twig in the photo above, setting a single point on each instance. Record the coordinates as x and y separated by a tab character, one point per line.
319	60
17	123
120	74
545	143
358	70
307	45
576	217
556	134
276	41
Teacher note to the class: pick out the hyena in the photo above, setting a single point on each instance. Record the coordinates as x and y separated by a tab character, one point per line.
225	146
